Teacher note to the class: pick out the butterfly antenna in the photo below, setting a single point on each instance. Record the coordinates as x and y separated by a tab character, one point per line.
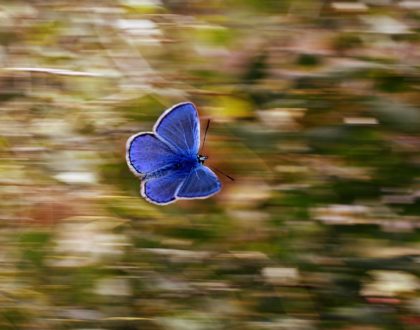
219	171
205	135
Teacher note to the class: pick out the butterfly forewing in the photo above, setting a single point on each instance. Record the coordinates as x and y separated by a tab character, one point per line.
180	128
146	153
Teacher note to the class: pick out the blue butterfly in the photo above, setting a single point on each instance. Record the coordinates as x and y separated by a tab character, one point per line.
168	161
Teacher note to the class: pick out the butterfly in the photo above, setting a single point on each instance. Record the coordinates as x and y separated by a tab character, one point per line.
167	160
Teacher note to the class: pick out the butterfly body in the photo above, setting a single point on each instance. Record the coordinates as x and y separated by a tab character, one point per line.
168	161
181	164
201	159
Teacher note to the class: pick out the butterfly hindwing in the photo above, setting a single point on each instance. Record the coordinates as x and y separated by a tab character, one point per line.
162	190
180	128
200	183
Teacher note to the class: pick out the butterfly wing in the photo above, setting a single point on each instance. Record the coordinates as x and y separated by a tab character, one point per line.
179	126
162	190
146	153
201	182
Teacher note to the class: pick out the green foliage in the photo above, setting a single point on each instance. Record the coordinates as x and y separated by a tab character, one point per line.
344	42
34	248
392	83
308	60
257	69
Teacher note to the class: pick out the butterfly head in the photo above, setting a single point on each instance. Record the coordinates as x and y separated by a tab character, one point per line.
201	158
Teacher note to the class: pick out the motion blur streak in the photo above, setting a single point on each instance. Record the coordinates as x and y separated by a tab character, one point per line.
315	113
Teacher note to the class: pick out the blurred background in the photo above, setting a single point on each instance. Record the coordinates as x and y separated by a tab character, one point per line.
315	112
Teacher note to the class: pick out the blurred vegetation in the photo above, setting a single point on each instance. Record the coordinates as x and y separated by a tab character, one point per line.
315	112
